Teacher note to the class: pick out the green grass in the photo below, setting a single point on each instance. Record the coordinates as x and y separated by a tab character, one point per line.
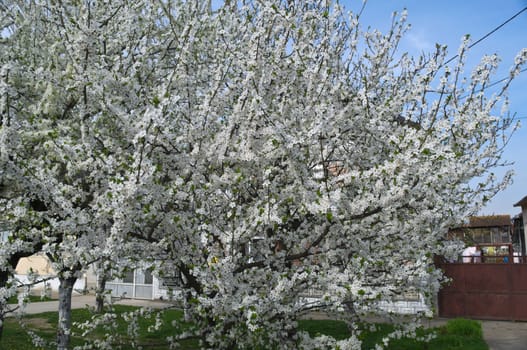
456	334
336	329
44	325
30	298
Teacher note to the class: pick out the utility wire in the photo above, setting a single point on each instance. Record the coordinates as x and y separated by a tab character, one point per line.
494	83
488	34
485	37
501	80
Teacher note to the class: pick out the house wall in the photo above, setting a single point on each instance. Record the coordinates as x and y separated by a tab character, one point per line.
37	263
524	215
40	265
137	284
476	235
406	307
50	287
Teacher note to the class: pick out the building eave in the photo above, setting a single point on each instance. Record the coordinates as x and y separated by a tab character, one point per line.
522	202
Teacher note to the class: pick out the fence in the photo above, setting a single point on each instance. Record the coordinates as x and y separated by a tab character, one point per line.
486	287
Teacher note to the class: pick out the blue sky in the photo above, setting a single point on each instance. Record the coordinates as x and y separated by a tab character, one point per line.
446	22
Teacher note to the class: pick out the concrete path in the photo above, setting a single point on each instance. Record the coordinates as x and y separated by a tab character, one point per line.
82	301
505	335
499	335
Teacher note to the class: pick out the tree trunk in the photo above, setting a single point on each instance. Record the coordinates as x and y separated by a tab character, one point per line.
1	326
352	316
3	311
64	324
4	277
186	307
100	291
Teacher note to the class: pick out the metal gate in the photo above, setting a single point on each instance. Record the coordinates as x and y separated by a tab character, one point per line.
495	291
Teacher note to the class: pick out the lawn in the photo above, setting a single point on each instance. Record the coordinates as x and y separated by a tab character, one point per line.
456	334
30	298
44	325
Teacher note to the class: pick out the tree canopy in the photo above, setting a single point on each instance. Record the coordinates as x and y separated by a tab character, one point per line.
253	151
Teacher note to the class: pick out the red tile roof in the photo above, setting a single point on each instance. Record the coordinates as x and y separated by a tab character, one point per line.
490	221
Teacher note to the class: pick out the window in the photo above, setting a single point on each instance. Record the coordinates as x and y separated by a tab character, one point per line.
505	238
4	231
129	277
143	277
148	277
496	235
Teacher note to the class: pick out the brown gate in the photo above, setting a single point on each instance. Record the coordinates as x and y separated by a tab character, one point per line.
484	291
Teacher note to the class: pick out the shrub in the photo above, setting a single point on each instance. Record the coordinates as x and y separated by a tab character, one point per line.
463	327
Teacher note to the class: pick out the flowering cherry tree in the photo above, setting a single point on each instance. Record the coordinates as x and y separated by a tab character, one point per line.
253	151
66	83
288	149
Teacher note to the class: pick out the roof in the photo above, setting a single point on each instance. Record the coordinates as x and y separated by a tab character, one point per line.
490	221
522	202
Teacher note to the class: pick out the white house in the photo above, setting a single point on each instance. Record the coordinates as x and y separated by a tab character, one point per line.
39	264
140	284
523	204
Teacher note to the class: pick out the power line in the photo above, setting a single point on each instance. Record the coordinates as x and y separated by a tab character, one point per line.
488	34
485	37
500	81
494	83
